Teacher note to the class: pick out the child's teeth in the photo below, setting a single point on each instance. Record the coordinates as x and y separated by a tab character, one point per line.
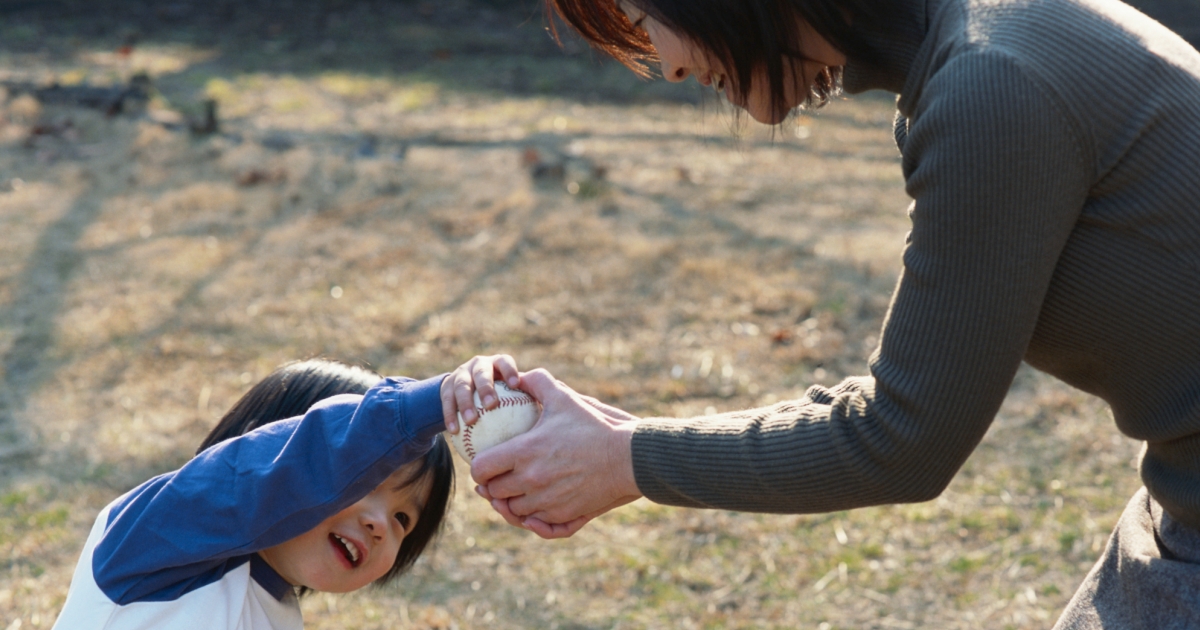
353	550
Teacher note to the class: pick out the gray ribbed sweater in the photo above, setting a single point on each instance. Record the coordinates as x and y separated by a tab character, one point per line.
1052	149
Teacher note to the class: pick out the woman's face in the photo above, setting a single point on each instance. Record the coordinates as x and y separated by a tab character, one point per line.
680	58
356	546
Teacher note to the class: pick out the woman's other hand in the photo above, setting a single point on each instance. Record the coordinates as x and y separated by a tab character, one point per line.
574	465
476	375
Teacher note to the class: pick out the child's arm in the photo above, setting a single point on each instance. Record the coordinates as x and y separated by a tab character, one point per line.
180	530
476	375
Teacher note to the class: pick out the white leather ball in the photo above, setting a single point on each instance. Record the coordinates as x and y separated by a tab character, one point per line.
516	414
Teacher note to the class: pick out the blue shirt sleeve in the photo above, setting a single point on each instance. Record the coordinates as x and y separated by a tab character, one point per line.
186	528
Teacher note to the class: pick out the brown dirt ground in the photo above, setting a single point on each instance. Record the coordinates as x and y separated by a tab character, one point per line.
408	184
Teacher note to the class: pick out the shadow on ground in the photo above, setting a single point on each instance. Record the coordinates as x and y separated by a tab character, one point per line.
484	47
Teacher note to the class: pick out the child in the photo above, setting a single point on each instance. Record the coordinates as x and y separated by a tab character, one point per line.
323	476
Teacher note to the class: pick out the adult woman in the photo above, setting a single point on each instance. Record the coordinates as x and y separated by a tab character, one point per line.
1052	149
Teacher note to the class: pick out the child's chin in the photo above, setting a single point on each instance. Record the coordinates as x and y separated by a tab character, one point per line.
344	587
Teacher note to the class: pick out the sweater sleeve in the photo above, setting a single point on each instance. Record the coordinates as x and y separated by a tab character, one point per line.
186	528
999	176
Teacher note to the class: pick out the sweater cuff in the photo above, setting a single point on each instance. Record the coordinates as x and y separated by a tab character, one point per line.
420	403
649	456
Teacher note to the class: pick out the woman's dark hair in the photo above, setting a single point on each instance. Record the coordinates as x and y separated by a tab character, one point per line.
292	388
743	34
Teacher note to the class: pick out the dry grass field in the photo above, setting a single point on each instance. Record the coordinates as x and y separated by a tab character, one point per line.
405	185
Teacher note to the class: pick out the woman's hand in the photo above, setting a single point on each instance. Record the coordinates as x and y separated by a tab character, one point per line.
477	375
575	464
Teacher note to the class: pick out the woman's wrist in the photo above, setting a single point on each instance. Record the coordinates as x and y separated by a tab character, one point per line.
620	462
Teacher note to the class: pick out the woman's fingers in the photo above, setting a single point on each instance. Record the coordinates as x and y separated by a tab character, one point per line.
574	465
495	462
576	461
505	485
555	530
537	524
549	517
546	389
502	458
501	507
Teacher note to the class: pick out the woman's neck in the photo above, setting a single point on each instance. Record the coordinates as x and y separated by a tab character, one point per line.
896	43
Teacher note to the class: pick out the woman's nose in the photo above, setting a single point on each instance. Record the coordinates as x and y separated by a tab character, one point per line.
674	74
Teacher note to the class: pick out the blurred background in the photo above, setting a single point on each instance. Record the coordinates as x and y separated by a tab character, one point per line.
192	193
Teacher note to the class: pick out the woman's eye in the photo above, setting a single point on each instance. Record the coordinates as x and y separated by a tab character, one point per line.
403	519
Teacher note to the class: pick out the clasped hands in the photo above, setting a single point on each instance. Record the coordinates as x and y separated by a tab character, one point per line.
575	464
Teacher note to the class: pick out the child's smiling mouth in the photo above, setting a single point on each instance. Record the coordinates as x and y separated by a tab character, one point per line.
347	549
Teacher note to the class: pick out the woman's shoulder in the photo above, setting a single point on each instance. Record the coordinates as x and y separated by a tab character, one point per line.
1065	40
1098	61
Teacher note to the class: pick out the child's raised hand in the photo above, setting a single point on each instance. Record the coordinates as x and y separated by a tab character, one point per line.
477	375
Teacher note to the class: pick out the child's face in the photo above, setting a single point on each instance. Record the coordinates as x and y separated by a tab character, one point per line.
356	546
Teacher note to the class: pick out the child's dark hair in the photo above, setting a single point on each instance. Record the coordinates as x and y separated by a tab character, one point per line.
294	387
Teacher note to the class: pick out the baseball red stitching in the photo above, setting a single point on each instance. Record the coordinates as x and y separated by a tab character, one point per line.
466	439
517	398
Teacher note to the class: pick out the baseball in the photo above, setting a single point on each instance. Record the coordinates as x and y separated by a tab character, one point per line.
515	415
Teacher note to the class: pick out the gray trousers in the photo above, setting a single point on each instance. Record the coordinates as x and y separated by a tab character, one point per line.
1148	577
